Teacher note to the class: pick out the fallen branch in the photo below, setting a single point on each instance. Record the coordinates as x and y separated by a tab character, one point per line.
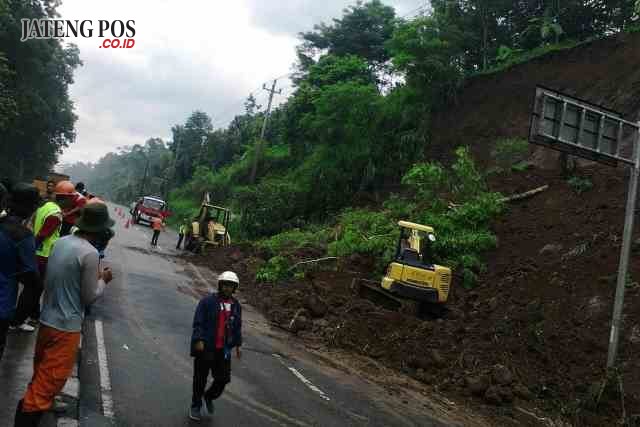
312	260
525	194
512	198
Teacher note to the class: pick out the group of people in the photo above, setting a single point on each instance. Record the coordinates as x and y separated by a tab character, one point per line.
53	247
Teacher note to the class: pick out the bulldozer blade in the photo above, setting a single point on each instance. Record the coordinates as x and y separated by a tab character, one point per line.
371	290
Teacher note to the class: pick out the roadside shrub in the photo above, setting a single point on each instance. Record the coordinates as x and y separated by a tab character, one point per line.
276	269
426	179
269	207
365	232
181	206
465	180
290	241
399	207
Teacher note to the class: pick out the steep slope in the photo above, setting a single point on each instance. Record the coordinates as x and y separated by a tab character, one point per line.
604	72
528	344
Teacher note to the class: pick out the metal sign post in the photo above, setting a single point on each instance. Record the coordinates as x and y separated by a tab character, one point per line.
586	130
624	264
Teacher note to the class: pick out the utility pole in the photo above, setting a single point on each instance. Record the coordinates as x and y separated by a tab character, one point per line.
258	152
144	178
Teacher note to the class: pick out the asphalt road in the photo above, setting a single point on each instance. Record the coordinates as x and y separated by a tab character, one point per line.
136	370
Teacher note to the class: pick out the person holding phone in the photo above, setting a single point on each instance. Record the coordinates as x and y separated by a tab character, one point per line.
74	281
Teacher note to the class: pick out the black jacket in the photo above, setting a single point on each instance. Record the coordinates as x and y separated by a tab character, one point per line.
205	325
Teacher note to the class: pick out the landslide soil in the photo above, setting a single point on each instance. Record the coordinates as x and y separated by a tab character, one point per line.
530	340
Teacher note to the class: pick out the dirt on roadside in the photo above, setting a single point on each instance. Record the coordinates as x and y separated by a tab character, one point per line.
527	345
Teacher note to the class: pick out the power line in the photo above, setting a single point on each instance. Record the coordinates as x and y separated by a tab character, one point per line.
224	115
258	153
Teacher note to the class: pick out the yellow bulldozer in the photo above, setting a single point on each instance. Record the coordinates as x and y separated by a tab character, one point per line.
412	283
209	228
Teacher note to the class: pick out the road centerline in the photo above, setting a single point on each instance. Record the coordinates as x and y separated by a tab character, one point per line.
303	379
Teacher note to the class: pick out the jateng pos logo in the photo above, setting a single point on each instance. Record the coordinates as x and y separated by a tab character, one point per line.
115	34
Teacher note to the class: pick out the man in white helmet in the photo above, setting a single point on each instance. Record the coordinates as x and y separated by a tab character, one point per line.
217	329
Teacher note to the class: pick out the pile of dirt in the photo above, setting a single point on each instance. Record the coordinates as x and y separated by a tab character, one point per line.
532	337
533	334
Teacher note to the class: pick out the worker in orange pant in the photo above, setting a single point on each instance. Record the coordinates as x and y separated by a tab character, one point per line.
73	282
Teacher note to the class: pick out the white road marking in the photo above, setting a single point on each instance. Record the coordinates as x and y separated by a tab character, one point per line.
67	422
105	380
302	378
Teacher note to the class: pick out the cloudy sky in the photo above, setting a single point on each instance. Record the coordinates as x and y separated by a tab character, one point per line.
199	54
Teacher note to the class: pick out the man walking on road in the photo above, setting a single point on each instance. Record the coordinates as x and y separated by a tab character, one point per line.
157	224
217	329
17	250
73	282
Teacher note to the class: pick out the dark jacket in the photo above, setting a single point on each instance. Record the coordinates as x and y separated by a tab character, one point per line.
205	325
17	262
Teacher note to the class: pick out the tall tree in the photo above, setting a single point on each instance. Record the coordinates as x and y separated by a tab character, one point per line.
36	113
189	144
363	31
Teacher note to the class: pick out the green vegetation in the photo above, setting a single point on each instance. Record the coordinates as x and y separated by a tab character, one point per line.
356	126
579	184
36	113
463	230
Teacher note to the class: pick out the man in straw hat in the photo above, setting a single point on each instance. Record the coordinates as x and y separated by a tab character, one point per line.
73	282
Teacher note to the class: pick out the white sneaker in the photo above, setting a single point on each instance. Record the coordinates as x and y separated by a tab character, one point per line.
25	327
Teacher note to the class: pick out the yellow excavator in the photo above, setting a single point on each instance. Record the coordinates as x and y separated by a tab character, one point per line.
412	283
209	228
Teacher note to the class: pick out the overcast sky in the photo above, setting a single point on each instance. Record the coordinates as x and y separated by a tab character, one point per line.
197	55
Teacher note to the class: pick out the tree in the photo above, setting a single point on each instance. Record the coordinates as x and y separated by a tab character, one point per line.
363	31
189	144
36	113
431	56
121	176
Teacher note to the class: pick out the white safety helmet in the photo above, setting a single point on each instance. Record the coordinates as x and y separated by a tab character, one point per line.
229	276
